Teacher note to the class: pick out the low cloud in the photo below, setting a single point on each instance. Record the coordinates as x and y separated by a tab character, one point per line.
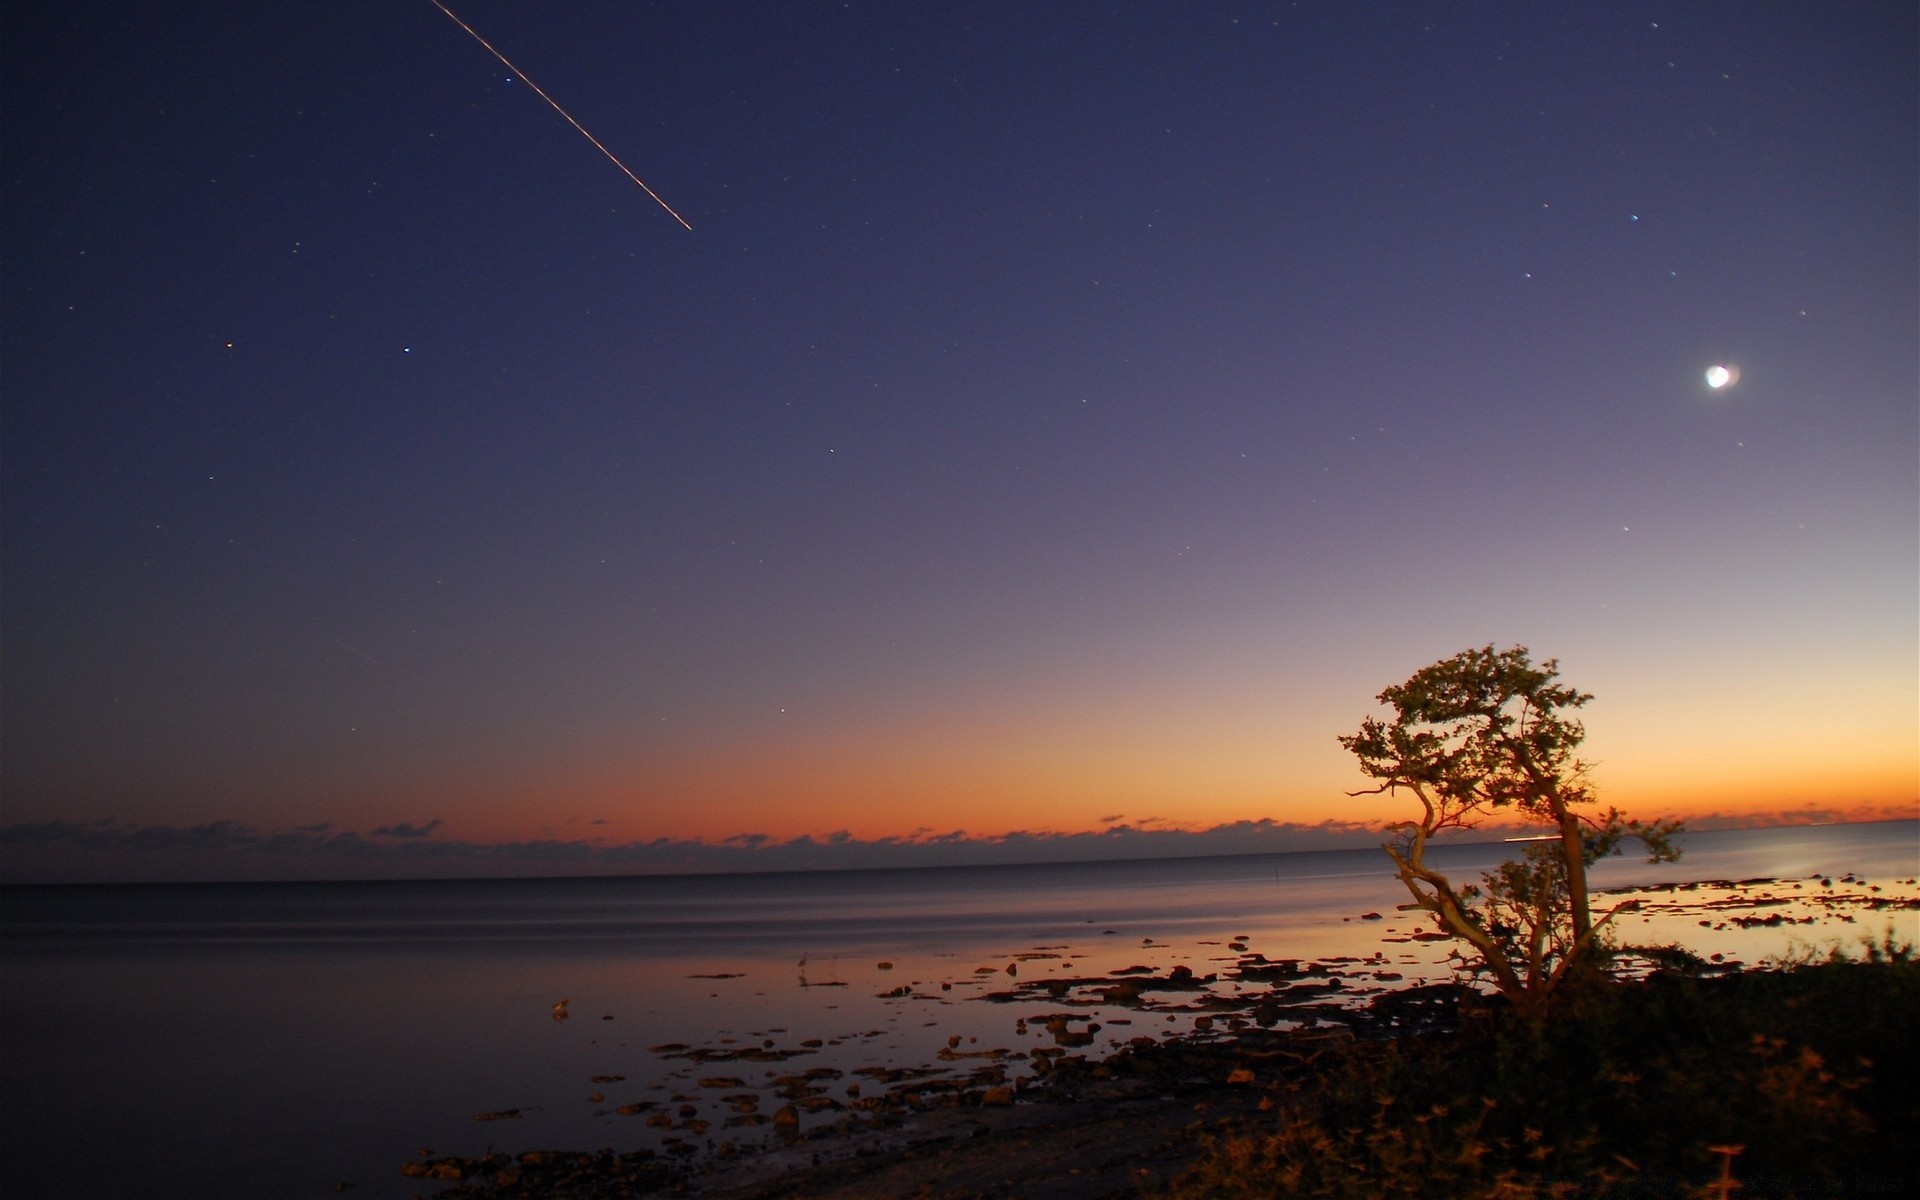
404	830
114	850
119	850
1810	815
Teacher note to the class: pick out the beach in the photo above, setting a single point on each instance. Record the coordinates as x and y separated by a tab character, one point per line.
268	1040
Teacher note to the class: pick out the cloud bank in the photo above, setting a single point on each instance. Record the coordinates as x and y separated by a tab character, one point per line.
113	850
117	851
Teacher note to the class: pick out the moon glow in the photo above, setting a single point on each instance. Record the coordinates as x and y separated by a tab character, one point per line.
1721	376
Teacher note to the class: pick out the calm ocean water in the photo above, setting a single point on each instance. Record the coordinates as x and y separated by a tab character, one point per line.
267	1040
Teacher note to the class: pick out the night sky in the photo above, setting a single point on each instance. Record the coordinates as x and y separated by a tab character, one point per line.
1061	419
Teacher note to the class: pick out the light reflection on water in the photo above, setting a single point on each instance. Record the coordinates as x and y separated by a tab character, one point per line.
241	1040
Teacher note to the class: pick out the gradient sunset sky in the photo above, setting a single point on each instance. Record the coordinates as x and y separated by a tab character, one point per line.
1062	419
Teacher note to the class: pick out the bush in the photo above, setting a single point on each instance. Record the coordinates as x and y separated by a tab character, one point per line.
1814	1070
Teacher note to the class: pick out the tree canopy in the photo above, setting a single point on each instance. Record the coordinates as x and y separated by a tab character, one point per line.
1487	733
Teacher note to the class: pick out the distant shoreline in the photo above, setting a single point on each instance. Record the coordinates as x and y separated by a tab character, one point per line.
1353	841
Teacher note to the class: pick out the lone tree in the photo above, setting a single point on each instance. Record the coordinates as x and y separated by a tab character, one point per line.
1486	731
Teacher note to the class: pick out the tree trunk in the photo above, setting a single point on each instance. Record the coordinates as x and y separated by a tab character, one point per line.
1445	904
1574	852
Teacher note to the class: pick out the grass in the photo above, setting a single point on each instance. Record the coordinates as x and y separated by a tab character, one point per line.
1798	1080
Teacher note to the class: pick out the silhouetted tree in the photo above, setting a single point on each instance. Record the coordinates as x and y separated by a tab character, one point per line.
1476	734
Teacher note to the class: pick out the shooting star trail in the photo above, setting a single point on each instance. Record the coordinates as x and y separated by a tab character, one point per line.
597	143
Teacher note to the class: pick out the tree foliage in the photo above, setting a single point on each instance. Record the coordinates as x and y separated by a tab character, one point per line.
1483	734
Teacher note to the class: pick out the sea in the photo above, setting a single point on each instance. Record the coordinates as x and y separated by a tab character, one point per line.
259	1040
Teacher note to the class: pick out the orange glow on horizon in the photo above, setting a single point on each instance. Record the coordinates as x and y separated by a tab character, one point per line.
782	797
1172	763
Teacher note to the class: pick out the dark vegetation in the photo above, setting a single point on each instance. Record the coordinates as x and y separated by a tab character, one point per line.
1801	1081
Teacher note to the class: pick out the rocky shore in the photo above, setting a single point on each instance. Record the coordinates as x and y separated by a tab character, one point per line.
1062	1120
1086	1127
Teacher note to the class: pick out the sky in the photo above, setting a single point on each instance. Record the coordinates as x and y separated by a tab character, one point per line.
1058	424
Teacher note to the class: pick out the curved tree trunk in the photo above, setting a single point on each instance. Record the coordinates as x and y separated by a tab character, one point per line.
1574	852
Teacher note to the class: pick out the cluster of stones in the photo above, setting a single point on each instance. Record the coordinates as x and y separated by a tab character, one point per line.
823	1105
1816	899
590	1176
1287	984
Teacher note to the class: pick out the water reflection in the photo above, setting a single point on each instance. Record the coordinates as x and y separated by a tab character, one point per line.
246	1040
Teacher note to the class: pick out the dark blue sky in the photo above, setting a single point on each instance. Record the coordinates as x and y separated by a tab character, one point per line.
1059	416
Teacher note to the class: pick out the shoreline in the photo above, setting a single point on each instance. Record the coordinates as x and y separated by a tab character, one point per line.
1093	1127
1081	1126
275	1044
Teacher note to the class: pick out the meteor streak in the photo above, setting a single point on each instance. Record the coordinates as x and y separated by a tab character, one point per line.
597	144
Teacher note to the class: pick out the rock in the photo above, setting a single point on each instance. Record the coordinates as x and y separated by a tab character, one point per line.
560	1010
1371	917
885	966
997	1097
1240	1075
439	1168
786	1117
505	1114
